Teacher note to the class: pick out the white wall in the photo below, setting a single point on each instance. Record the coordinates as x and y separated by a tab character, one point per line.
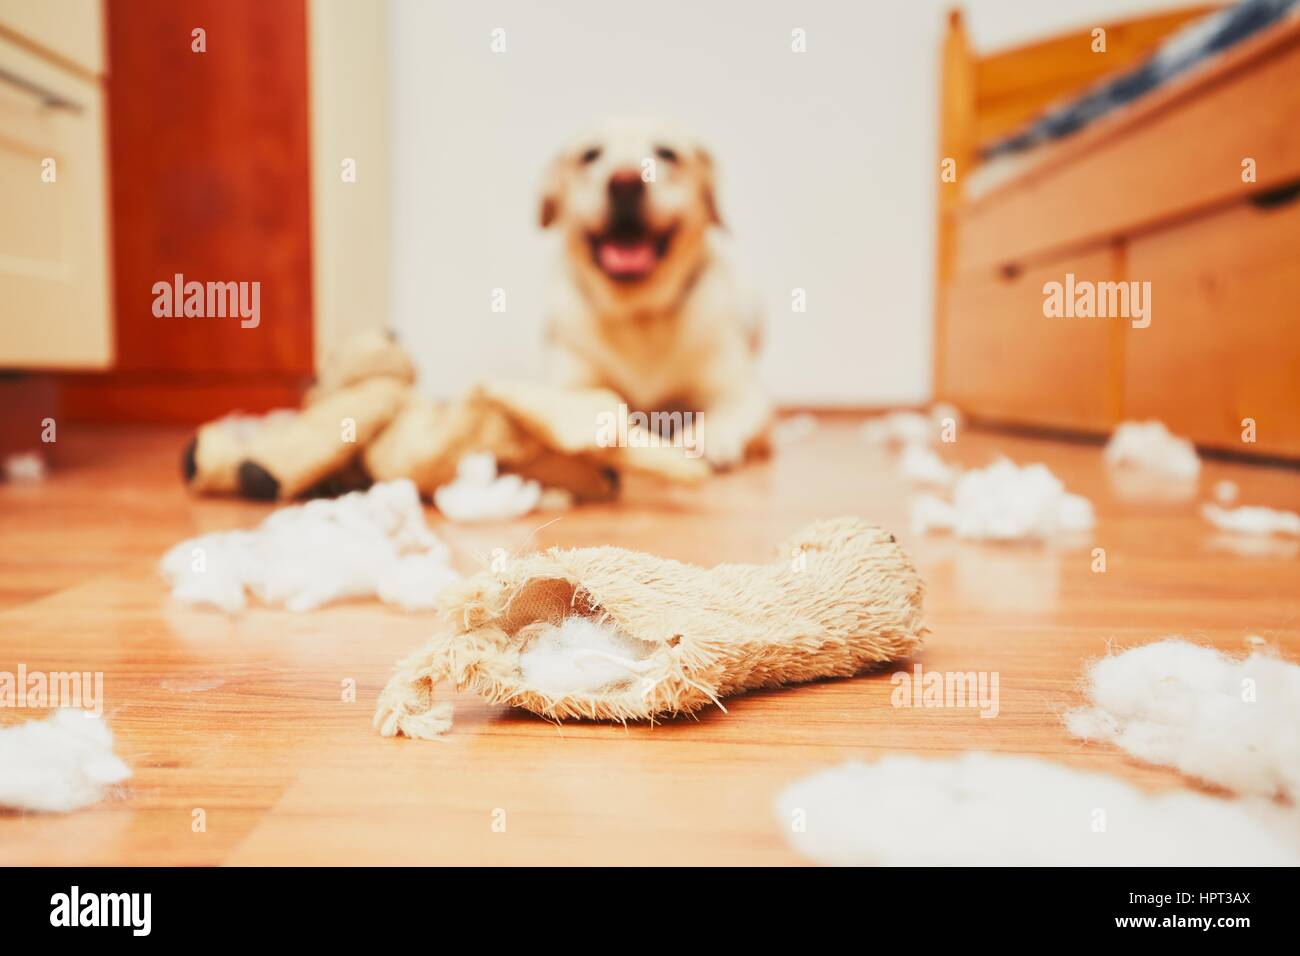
826	161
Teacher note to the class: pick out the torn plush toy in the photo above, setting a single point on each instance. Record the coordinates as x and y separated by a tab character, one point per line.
1005	502
363	422
610	634
1230	722
364	544
287	452
541	433
59	764
992	810
319	442
366	355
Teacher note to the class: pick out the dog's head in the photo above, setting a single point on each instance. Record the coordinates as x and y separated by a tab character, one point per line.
634	199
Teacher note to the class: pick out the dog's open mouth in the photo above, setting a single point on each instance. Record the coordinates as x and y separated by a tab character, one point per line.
629	252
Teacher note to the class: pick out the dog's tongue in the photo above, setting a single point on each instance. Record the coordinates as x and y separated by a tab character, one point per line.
627	259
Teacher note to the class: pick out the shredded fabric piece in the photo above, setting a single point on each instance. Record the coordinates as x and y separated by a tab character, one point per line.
922	465
988	810
838	597
582	656
1005	502
1254	520
26	468
480	494
1150	446
365	544
899	428
1233	723
59	764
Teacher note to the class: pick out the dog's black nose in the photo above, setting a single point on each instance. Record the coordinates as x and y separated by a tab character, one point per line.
626	189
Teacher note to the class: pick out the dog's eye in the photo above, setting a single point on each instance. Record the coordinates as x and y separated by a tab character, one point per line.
590	156
666	154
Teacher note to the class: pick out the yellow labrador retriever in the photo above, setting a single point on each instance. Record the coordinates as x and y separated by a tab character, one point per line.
641	303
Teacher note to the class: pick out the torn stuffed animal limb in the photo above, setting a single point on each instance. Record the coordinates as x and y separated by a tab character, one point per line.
661	637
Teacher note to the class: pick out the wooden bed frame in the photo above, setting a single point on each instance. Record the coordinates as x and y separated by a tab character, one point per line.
1152	193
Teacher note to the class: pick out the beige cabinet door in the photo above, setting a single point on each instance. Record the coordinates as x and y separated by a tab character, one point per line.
54	302
67	30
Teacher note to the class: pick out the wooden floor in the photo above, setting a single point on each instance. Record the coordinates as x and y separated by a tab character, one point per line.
243	718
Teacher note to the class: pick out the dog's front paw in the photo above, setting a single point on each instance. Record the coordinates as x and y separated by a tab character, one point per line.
724	451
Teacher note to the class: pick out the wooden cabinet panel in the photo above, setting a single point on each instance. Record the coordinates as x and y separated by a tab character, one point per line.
1224	340
211	180
1176	152
1004	360
53	238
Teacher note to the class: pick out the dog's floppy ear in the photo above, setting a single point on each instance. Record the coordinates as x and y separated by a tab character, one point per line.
552	186
705	160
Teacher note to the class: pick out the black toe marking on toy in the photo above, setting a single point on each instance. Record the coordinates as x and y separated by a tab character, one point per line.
189	460
612	476
256	482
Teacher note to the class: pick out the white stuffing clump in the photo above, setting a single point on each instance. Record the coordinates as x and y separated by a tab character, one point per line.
1225	491
1005	502
910	428
59	764
987	810
794	428
582	656
1230	722
1252	520
899	428
364	544
1150	446
480	494
943	412
922	465
25	468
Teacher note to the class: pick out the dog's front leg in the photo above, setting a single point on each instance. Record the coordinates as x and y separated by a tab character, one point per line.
734	421
566	367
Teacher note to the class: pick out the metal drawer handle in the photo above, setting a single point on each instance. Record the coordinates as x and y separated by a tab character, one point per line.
47	96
